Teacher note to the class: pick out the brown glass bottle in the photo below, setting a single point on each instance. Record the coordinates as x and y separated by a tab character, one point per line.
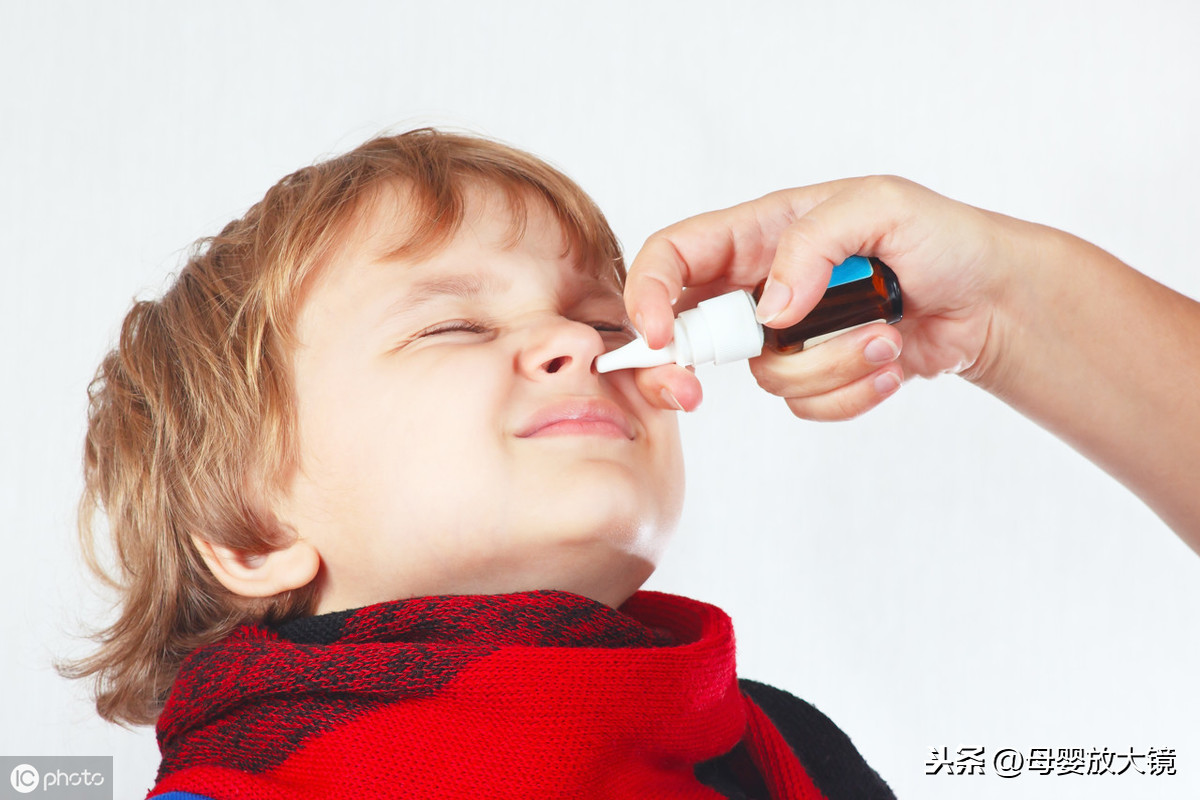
873	297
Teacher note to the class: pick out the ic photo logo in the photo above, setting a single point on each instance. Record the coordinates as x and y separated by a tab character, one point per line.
57	777
24	778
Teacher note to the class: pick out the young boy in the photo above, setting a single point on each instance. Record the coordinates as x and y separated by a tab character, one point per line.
380	525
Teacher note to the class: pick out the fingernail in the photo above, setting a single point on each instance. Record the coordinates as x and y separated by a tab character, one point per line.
670	398
639	325
774	300
880	351
887	383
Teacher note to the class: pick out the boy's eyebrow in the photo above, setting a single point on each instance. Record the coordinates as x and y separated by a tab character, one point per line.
465	286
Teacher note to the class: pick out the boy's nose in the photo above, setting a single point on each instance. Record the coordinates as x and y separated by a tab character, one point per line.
561	346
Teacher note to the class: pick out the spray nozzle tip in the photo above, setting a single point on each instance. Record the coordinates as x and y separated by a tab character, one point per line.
633	355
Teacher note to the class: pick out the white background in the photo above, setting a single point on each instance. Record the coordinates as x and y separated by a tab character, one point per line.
938	573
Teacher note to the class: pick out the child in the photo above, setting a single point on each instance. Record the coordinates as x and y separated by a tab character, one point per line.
380	527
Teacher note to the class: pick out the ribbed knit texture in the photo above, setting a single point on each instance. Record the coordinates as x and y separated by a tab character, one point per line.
532	695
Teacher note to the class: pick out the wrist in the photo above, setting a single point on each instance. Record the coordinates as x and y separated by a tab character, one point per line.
1016	297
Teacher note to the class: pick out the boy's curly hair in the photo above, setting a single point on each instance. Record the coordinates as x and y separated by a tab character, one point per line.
192	417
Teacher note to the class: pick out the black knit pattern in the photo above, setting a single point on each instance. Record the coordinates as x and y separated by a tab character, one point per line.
828	755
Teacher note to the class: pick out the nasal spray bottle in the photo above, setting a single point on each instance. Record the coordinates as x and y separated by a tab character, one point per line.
724	328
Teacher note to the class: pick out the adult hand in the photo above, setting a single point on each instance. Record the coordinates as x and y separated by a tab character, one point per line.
951	259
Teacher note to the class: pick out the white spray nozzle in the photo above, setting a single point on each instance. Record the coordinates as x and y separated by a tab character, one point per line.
716	331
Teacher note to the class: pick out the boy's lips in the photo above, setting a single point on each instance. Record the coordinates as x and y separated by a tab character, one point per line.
594	416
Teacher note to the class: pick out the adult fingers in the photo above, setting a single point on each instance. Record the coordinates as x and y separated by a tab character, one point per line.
829	366
670	386
859	218
851	400
736	245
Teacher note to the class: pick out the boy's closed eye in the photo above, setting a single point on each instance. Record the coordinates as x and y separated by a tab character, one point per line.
453	326
468	326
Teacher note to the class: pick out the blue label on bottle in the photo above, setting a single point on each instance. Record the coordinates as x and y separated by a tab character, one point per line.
854	268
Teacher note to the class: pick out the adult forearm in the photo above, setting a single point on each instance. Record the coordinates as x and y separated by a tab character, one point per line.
1107	359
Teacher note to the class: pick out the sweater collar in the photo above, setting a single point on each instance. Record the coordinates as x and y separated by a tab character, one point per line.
544	618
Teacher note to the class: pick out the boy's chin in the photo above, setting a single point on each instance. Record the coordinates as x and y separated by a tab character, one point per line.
600	494
626	522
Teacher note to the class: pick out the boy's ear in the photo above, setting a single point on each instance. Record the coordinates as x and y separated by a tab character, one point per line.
261	575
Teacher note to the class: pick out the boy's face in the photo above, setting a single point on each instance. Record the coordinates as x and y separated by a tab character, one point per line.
453	436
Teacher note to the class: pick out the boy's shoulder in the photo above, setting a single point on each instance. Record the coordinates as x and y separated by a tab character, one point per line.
829	757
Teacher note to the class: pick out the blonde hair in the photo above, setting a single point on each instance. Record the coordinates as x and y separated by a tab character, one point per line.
192	418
